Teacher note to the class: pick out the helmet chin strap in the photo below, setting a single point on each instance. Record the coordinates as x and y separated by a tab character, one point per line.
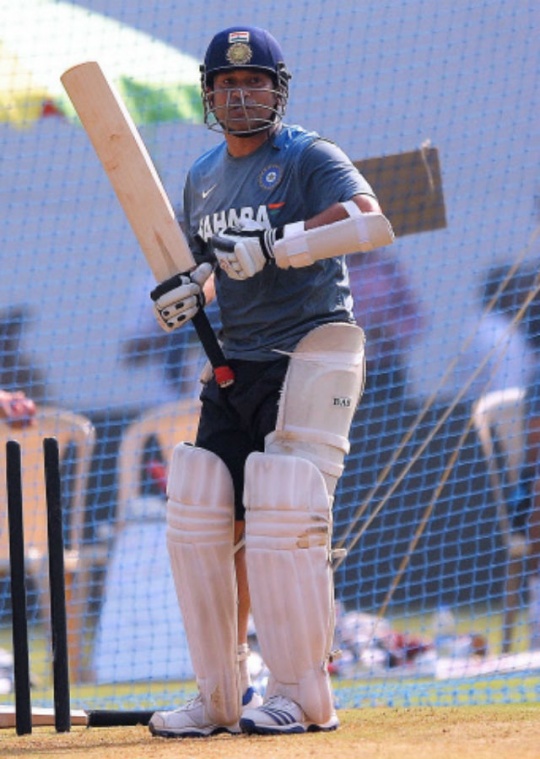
245	135
270	129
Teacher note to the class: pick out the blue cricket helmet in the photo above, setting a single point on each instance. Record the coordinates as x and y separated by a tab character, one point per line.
240	47
243	47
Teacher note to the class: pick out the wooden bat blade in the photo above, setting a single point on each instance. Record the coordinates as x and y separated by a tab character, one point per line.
138	187
130	169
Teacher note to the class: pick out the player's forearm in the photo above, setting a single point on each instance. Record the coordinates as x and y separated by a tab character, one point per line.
298	245
341	229
337	212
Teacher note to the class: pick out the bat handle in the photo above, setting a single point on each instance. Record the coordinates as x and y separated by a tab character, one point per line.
222	372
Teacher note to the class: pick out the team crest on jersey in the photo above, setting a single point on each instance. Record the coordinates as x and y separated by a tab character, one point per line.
270	177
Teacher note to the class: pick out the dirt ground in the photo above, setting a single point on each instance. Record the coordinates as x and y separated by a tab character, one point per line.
494	732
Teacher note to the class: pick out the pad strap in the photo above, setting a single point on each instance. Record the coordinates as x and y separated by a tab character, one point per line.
359	219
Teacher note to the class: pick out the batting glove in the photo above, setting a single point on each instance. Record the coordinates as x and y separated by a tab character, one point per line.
177	300
242	253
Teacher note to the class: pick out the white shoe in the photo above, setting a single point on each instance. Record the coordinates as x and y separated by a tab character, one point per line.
192	721
281	715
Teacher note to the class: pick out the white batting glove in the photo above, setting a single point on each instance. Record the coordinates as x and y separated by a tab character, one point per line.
243	252
177	300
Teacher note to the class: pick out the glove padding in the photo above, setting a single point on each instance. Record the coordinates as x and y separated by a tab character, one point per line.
244	252
177	300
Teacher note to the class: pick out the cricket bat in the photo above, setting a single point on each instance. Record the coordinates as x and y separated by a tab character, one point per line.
138	187
93	718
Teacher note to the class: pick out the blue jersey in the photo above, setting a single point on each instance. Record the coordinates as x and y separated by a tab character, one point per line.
291	177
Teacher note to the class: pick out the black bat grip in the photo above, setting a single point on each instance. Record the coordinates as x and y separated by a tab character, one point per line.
223	373
109	718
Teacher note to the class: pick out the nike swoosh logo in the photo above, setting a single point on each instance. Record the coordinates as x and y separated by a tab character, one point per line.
206	193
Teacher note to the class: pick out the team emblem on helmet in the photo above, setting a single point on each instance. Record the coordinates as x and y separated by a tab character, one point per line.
239	54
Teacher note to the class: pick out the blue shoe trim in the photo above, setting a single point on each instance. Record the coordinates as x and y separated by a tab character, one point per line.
248	726
248	695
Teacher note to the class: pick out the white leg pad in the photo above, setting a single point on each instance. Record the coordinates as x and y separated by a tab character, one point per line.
200	540
288	534
322	388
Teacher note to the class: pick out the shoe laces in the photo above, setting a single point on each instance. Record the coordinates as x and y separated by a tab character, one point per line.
281	702
192	703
